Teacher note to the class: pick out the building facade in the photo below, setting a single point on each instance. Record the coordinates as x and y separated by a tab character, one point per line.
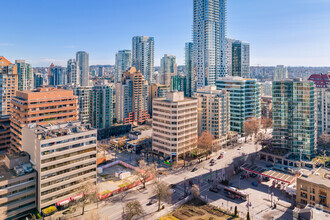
57	76
314	189
102	105
214	112
8	84
281	72
244	100
71	72
65	159
168	68
178	83
84	94
4	132
209	40
229	55
82	59
174	125
18	186
156	91
240	59
38	80
132	98
295	116
25	75
143	56
41	106
189	70
322	83
123	62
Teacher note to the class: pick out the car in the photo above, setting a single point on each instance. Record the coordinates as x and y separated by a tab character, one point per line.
194	169
172	186
253	175
266	179
254	184
151	202
212	161
220	156
215	190
212	164
239	148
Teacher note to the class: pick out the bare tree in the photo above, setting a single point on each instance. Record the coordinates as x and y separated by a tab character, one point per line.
94	215
195	191
133	209
324	142
266	123
247	129
162	192
88	191
144	171
205	141
256	126
104	148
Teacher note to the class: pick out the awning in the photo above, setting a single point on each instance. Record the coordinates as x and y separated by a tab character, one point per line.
64	202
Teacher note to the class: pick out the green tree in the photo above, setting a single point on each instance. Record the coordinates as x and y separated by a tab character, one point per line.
235	211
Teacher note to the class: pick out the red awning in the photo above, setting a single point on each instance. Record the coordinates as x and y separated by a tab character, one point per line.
64	202
77	196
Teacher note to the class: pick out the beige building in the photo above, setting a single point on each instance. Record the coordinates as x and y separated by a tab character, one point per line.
174	125
156	90
64	156
213	113
314	189
17	186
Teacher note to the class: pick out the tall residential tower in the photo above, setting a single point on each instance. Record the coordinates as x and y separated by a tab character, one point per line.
82	59
123	62
209	38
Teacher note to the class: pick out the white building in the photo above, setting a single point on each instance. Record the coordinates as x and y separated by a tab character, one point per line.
82	59
281	72
174	125
64	156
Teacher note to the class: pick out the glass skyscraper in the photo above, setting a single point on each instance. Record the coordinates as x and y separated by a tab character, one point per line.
82	59
143	56
294	116
190	77
240	59
209	41
123	62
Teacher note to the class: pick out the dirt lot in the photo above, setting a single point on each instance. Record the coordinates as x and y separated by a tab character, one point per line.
197	210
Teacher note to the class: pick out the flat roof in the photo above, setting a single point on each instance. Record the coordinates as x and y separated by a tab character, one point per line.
268	173
319	176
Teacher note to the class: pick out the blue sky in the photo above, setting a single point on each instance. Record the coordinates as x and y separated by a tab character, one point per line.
289	32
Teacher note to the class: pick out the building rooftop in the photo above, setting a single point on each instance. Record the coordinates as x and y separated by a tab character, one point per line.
235	78
319	176
58	130
44	92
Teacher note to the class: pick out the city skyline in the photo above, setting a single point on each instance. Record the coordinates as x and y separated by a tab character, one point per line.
298	30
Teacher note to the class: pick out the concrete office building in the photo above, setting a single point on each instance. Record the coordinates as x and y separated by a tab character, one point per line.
123	62
174	125
132	98
25	75
240	59
189	70
213	113
57	76
244	100
8	84
322	83
17	186
281	72
71	72
168	68
41	106
82	59
64	155
156	91
209	40
295	117
143	56
84	94
102	104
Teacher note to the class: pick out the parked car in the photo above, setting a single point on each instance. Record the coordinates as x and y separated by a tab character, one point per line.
220	156
152	201
194	169
239	148
212	164
253	175
212	161
215	190
172	186
254	184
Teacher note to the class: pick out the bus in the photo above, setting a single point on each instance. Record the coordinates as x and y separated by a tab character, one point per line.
235	193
